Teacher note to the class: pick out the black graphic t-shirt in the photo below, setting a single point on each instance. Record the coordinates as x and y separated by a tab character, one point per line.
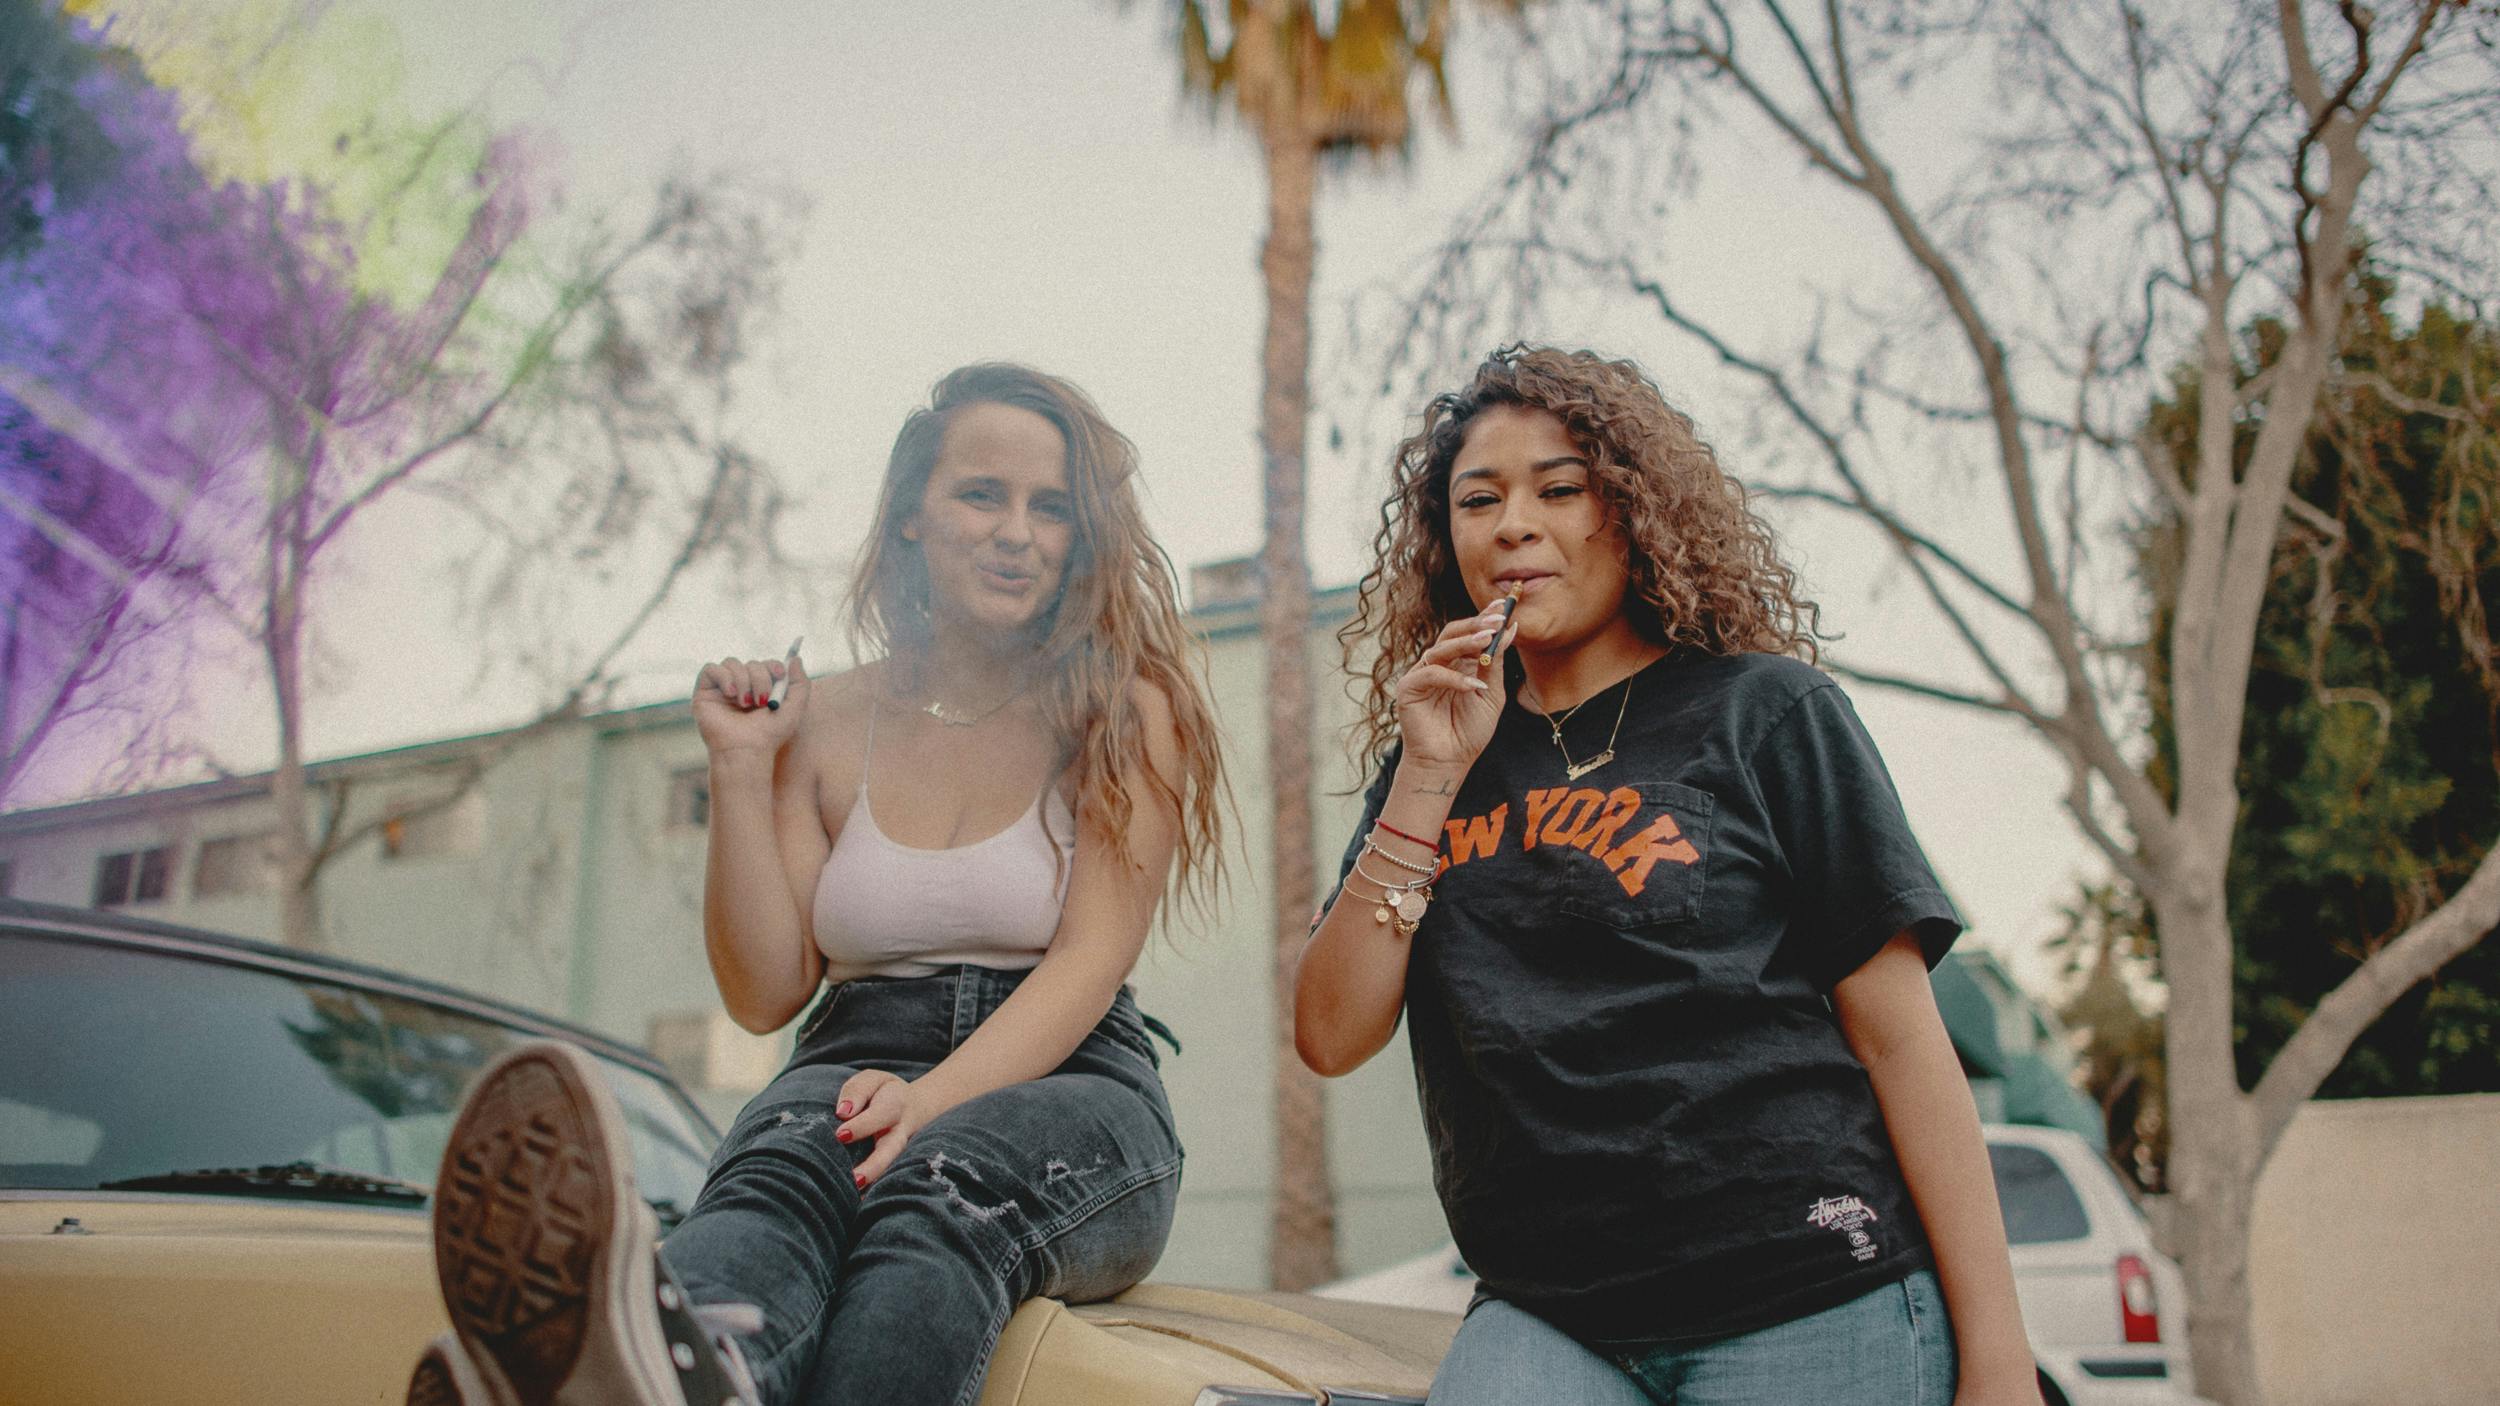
1645	1123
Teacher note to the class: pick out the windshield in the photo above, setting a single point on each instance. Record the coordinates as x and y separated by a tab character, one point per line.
120	1063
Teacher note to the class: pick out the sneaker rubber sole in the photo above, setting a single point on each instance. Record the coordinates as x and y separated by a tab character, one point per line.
544	1253
445	1377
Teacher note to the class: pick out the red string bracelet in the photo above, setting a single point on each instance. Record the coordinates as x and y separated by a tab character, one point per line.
1410	839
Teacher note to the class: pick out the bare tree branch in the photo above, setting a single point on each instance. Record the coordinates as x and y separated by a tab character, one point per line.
2007	704
525	366
1896	527
2121	856
1838	456
2319	1045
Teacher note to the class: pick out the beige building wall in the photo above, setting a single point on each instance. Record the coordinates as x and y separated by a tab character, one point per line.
1213	987
481	898
2375	1255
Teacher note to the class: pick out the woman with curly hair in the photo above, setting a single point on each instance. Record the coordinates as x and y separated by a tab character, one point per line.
1642	889
955	852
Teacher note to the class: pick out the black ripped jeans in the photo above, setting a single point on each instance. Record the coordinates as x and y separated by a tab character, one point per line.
1063	1185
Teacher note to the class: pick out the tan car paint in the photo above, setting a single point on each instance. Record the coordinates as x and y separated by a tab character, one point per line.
208	1301
1279	1339
1049	1356
226	1301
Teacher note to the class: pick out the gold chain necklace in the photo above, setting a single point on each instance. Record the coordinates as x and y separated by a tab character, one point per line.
1573	771
956	717
952	718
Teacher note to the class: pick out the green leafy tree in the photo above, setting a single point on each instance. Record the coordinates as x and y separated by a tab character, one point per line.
2370	760
2107	947
50	146
2370	775
406	321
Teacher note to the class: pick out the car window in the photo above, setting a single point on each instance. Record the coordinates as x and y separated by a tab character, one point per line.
119	1063
31	1134
2040	1205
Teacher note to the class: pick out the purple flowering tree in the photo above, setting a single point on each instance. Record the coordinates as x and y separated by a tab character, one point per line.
122	433
210	378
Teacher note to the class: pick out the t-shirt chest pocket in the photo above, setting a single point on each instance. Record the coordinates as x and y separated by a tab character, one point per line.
1631	856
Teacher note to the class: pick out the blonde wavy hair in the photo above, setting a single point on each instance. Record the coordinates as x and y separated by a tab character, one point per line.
1706	576
1115	622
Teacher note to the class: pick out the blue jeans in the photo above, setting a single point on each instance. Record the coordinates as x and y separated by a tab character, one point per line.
1892	1347
1063	1185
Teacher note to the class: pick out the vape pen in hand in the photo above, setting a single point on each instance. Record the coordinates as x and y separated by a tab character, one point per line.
1510	607
781	685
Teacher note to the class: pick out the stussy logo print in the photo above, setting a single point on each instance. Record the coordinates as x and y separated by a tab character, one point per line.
1600	824
1850	1216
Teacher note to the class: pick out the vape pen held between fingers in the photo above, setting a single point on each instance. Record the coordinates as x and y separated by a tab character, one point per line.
781	685
1510	607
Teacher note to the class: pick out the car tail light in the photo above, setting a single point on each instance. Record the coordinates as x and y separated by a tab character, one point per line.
2138	1311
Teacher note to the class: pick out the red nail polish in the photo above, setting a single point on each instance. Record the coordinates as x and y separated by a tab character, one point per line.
843	1109
841	1135
859	1181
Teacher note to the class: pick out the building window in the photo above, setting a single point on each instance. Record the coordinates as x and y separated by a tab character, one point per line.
436	829
690	798
133	876
234	864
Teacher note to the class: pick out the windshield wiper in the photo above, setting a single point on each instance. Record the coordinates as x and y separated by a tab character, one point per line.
310	1180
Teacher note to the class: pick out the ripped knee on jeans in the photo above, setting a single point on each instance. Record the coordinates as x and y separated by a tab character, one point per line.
942	1170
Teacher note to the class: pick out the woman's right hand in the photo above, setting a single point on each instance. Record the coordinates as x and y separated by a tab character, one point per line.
729	708
1447	702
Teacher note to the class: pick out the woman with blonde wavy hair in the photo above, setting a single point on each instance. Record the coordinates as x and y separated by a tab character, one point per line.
962	844
1642	891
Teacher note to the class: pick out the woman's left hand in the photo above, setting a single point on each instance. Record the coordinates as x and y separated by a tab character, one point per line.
886	1107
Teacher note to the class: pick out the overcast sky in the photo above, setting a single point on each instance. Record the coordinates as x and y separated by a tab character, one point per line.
1021	179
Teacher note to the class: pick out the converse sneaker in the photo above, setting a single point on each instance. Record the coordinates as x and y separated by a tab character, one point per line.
444	1377
547	1259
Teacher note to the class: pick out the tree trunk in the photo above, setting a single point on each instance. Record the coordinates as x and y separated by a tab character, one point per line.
299	908
282	641
2213	1162
1302	1235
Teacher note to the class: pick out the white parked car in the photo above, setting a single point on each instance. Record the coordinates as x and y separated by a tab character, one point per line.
2107	1312
2105	1309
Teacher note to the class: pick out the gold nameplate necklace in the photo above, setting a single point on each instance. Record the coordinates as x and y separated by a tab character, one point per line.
1573	771
954	717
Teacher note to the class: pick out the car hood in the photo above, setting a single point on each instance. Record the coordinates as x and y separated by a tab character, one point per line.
119	1298
174	1215
1162	1343
115	1298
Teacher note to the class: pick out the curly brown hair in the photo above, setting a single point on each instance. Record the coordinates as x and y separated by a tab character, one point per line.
1706	576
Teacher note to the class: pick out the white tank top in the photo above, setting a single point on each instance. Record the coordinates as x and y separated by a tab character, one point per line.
888	909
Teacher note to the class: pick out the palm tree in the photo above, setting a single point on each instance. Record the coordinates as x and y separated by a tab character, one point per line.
1308	91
